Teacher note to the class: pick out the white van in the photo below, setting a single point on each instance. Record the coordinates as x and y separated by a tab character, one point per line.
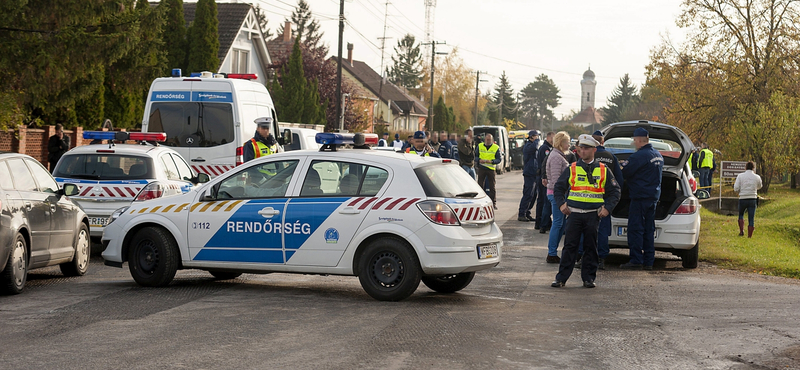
209	118
302	139
500	135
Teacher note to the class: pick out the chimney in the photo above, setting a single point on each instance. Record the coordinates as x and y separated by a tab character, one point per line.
287	32
350	54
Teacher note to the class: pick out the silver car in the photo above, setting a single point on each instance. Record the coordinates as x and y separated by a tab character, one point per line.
678	210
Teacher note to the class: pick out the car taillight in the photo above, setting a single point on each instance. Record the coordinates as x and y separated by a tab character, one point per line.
693	184
438	212
239	155
153	190
688	207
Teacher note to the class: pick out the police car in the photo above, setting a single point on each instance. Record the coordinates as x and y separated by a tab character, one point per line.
110	176
391	219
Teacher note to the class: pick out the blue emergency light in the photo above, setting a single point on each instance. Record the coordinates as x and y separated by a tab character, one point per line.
332	138
176	72
99	135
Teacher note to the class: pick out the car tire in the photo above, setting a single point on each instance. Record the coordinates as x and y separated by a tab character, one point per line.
15	273
153	257
448	283
690	257
225	275
389	270
80	261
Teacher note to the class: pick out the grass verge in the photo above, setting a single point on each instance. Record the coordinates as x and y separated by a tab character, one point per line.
774	248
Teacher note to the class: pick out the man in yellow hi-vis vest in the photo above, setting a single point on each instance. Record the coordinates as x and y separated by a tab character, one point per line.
262	144
706	163
486	157
585	192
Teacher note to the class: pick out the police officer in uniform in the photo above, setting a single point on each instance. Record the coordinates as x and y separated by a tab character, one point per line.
585	192
419	146
262	143
487	155
604	231
643	175
529	169
706	162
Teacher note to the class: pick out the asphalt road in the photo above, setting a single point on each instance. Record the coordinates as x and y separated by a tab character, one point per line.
508	318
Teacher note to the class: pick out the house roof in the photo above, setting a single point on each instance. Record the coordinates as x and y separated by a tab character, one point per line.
588	116
231	16
372	81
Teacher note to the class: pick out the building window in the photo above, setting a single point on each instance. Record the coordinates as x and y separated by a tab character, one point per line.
240	61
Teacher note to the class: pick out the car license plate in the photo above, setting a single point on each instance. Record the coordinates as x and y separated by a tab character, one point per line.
98	221
487	251
623	231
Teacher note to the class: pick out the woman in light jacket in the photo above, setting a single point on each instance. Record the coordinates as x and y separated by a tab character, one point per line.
747	185
556	164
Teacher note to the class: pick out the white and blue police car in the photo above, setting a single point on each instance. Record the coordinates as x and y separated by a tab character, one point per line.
392	219
110	176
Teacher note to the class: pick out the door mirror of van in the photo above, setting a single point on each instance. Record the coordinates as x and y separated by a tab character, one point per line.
286	138
201	178
69	190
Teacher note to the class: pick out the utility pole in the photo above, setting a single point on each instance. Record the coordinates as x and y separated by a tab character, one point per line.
433	71
383	45
477	93
339	112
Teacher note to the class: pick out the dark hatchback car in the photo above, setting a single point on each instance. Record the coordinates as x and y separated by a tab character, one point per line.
39	225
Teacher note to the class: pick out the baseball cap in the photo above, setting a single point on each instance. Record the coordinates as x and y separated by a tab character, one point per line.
597	133
396	136
587	140
533	133
641	132
265	122
419	135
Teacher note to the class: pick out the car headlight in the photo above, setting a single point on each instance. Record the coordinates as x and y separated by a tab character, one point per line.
117	213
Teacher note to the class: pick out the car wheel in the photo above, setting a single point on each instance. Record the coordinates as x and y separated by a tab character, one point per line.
153	257
224	275
690	257
80	262
448	283
389	270
14	275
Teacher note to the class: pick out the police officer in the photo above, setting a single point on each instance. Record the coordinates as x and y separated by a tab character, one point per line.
397	143
643	175
543	211
385	140
706	162
262	143
445	148
585	192
487	156
604	231
420	146
529	177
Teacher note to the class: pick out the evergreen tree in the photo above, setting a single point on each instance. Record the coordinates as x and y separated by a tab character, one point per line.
296	99
622	103
406	70
174	34
502	102
537	100
261	16
306	27
89	111
204	38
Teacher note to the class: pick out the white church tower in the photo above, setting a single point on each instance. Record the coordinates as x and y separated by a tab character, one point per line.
588	85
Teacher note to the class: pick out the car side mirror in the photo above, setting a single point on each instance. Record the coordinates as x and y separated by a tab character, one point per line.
286	137
201	178
69	190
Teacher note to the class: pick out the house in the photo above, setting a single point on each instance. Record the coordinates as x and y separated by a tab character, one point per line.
394	107
242	48
588	117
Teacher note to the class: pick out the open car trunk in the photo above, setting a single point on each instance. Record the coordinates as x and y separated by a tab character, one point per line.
672	195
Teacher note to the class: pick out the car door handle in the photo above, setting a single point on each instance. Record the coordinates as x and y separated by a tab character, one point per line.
28	206
349	211
52	206
198	160
268	212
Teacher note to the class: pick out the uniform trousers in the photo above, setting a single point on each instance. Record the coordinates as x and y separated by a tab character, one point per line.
528	196
603	232
543	210
579	225
487	178
641	231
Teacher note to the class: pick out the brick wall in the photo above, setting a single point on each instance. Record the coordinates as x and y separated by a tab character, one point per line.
33	142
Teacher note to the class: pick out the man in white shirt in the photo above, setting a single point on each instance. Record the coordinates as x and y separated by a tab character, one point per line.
747	185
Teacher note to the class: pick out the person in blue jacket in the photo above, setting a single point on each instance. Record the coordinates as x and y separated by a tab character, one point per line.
529	177
604	231
445	149
643	175
543	211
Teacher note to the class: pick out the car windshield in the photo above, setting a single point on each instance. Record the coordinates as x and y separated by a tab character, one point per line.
623	147
193	124
103	166
447	181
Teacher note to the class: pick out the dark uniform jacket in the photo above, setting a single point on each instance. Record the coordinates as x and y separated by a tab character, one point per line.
610	198
445	149
56	148
610	160
544	150
247	149
531	165
643	173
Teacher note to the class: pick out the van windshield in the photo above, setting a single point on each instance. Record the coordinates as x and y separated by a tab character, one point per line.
193	124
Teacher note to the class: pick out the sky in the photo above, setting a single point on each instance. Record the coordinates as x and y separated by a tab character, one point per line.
524	38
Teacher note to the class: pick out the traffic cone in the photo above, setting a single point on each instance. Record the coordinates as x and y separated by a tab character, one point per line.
750	231
741	227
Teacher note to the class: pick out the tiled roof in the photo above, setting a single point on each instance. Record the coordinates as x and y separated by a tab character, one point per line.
588	116
231	16
372	80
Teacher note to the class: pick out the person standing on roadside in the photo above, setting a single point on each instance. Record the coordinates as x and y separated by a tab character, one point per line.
263	143
397	143
466	153
420	147
445	148
385	140
543	209
57	146
643	175
529	177
706	162
487	157
434	142
747	185
556	164
604	231
586	192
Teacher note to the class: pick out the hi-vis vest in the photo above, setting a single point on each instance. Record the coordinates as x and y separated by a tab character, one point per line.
260	149
488	154
708	159
581	190
412	150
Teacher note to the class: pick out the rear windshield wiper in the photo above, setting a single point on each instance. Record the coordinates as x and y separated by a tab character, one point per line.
470	194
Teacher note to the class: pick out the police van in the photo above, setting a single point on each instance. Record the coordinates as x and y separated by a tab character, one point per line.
209	117
392	219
